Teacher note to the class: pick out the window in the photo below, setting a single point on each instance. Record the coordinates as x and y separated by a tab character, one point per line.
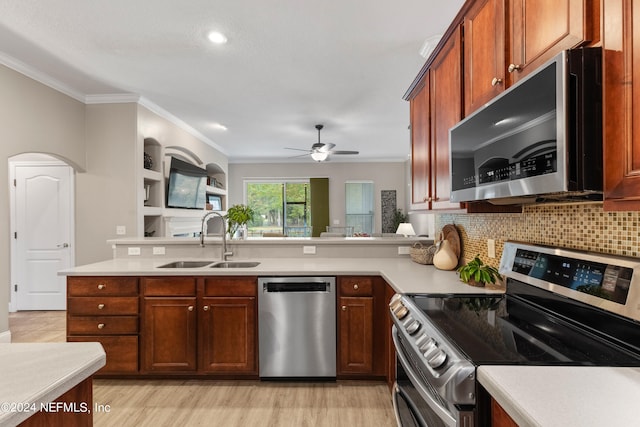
280	207
359	206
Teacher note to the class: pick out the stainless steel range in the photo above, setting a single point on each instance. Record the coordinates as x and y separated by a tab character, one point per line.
561	307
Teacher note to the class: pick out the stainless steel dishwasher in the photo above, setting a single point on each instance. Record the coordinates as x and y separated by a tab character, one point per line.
297	327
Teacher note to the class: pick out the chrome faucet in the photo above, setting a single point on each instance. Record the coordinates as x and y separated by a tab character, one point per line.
225	253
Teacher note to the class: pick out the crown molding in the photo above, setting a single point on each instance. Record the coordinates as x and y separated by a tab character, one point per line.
39	76
112	98
154	108
116	98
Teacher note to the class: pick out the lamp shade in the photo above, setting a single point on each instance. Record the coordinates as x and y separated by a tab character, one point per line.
406	229
319	156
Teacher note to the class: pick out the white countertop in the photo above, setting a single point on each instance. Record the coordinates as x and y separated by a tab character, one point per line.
565	396
404	275
35	373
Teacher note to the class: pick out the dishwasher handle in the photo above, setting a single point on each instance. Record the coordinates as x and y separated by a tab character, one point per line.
298	287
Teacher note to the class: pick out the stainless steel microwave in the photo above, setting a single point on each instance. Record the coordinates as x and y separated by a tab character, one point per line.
540	139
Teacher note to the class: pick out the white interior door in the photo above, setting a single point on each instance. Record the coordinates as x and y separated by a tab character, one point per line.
44	224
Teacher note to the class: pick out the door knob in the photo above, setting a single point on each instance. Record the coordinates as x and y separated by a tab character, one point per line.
190	308
206	308
344	308
101	286
100	306
496	81
100	325
356	287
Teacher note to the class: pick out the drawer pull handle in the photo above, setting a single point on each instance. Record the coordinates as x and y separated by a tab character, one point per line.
206	308
100	306
356	287
190	308
514	67
100	325
101	286
344	308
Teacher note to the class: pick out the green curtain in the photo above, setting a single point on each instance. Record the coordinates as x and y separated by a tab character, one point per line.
319	205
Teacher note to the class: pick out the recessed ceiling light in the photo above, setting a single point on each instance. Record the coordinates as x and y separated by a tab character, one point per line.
217	38
218	126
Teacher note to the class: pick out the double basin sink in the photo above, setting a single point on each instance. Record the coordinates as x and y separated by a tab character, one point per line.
211	264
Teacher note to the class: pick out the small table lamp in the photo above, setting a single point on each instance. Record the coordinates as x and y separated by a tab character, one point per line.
406	229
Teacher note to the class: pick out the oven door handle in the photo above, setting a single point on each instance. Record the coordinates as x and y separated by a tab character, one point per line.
442	412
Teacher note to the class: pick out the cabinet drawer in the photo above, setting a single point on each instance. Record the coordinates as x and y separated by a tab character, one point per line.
102	306
122	352
169	286
356	286
102	325
231	286
95	286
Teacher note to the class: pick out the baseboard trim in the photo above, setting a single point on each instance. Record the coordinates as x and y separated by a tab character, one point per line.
5	337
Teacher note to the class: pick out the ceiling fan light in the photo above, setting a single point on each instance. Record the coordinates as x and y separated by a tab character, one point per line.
319	156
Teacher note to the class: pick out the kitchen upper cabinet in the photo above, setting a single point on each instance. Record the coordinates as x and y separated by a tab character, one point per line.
445	80
362	317
227	326
484	53
539	29
420	145
621	72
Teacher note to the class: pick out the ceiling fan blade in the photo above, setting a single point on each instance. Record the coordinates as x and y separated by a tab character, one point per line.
344	152
299	155
297	149
322	147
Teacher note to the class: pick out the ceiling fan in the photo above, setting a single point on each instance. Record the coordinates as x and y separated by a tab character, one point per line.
320	151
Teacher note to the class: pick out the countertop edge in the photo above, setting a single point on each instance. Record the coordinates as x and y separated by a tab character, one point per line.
89	366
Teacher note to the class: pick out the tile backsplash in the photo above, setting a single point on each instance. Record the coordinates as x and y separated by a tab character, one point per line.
583	226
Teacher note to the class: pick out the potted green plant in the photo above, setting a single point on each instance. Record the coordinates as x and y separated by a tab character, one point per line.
237	217
477	273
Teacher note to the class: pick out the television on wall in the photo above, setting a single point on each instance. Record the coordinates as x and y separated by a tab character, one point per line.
187	187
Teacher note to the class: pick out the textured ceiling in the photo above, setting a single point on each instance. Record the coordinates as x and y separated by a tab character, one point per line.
288	65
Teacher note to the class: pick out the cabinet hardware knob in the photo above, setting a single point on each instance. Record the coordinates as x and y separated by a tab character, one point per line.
356	287
101	286
344	308
514	67
100	325
424	199
496	81
206	308
100	306
190	308
430	199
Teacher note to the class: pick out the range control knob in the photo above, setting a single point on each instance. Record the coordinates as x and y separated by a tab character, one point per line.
429	348
395	302
401	312
413	327
437	359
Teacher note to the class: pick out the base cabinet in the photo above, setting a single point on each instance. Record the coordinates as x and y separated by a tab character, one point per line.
228	327
199	325
362	343
105	310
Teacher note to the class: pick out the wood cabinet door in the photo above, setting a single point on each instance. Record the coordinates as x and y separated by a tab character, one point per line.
484	53
420	143
540	29
168	334
621	71
446	111
227	334
355	317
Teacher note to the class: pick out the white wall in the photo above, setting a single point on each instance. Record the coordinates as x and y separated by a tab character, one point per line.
35	118
386	176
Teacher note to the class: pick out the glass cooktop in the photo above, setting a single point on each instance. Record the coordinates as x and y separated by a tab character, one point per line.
532	327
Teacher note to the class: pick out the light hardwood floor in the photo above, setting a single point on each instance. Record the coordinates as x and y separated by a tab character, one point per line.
219	403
